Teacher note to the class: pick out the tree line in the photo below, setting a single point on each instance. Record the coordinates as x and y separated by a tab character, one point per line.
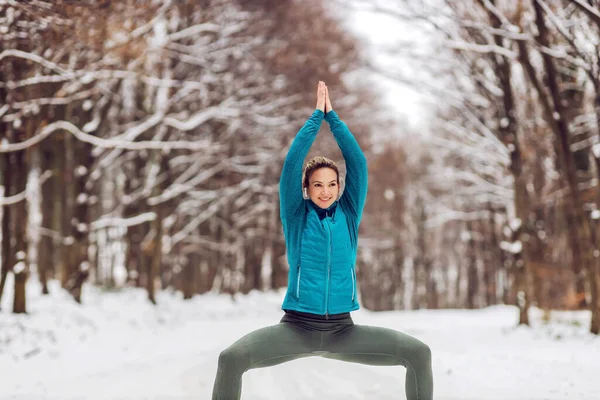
503	194
142	145
142	142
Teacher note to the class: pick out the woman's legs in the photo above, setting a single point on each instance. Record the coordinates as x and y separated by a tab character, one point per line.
381	346
262	348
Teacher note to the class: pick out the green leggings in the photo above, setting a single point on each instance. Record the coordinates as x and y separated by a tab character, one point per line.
302	335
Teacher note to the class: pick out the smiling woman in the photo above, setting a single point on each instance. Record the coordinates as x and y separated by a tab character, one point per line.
320	226
321	183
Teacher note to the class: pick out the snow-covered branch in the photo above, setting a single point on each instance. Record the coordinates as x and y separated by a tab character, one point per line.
141	30
454	215
194	31
24	195
204	215
14	199
590	11
177	189
582	59
468	152
512	33
106	143
107	222
478	183
202	117
481	48
37	59
500	15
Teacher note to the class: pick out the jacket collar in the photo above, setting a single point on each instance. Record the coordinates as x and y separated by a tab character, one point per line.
324	212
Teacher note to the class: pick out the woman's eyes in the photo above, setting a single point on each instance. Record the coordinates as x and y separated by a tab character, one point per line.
331	184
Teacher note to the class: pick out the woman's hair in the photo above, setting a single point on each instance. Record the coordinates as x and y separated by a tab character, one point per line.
315	164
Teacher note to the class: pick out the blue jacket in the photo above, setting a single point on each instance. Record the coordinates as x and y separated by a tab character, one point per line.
322	244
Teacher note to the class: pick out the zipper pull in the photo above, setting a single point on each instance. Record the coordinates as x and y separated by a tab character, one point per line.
326	314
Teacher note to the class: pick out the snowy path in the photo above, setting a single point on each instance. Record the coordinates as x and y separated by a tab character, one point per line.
118	347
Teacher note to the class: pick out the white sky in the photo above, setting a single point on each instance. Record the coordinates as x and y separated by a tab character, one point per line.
380	33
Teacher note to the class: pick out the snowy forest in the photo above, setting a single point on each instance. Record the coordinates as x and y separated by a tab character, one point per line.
141	145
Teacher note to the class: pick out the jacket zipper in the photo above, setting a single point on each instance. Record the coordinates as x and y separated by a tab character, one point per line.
298	283
328	277
353	283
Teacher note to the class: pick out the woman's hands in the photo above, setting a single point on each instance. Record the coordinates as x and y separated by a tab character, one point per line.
323	101
321	93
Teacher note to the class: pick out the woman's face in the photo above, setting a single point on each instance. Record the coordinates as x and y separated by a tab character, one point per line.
323	187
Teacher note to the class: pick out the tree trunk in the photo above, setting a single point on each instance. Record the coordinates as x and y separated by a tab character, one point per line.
594	278
578	223
6	162
397	280
428	280
189	275
81	218
509	133
58	206
68	248
491	259
48	242
420	276
251	250
155	249
458	297
7	254
155	263
279	276
472	278
21	266
594	275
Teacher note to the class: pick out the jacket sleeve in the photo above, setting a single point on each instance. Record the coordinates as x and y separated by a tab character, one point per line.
355	191
290	183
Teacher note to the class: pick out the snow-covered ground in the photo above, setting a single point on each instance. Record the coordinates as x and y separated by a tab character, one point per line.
118	346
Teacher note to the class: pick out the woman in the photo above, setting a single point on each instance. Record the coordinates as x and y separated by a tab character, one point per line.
321	234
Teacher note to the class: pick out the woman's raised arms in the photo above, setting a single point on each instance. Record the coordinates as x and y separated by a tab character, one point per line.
355	191
290	182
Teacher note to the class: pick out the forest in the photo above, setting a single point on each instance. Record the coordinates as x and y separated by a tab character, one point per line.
141	144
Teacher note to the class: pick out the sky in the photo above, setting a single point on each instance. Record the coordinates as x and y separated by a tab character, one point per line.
379	35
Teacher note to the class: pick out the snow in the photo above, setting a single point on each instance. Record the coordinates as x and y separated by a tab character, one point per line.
389	194
81	170
596	150
19	267
118	346
512	247
92	125
81	198
84	266
515	224
106	222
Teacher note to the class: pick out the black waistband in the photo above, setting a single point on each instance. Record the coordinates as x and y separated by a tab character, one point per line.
317	317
